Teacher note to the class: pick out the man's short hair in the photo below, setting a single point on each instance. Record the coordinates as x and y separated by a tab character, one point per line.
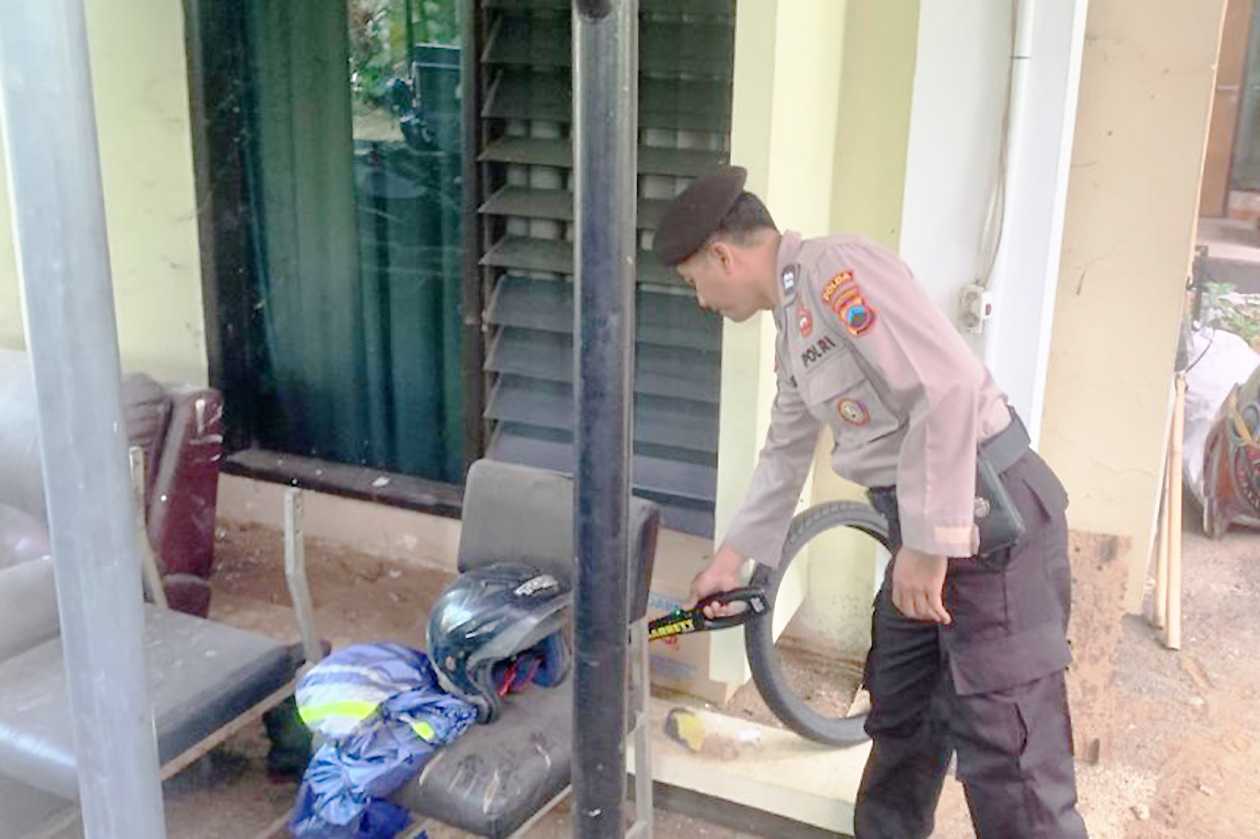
746	217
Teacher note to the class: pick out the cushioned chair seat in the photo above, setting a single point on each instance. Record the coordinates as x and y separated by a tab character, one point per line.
495	777
201	676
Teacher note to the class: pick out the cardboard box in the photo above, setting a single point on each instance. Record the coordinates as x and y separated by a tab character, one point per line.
681	663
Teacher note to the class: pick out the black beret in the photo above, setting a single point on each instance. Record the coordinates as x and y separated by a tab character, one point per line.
693	216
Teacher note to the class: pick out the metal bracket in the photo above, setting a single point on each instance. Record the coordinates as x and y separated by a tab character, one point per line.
148	561
641	688
295	575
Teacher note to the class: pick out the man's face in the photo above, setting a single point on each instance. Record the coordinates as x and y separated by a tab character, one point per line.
722	281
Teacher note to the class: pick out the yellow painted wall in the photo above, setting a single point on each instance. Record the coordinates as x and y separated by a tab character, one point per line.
140	79
872	134
1146	86
806	73
784	116
873	127
788	65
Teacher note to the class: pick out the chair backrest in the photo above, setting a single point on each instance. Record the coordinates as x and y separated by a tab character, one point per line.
524	514
146	410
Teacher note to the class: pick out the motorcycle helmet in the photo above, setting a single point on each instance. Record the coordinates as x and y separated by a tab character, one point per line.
497	628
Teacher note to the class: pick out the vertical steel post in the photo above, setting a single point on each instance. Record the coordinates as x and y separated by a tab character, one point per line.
49	125
605	103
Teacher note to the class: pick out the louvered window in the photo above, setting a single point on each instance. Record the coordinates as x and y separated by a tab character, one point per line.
526	206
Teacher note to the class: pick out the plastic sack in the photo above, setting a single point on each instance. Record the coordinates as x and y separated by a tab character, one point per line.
1219	361
384	717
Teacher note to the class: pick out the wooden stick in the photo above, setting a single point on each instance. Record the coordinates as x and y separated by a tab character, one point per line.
1174	530
1159	614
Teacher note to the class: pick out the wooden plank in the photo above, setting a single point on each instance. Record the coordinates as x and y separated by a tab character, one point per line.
1173	640
1159	613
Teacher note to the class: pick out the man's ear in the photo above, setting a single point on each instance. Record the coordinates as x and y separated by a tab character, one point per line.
722	253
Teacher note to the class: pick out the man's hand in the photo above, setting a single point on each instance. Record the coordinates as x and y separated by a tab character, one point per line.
918	579
723	573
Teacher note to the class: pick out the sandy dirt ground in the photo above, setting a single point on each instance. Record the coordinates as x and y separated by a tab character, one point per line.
1176	735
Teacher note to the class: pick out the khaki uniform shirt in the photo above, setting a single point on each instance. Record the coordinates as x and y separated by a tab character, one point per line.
862	350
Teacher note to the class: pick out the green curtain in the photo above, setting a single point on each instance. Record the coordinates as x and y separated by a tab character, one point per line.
357	299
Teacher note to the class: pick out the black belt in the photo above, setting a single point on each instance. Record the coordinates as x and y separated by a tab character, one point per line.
999	522
1008	445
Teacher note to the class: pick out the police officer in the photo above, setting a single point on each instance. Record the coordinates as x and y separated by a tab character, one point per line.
969	645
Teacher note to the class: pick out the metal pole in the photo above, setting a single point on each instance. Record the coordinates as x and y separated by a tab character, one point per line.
605	101
59	223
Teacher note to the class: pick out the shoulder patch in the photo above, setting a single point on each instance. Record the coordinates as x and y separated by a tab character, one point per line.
842	295
836	284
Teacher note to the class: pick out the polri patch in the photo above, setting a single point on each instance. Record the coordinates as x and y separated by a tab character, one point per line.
853	412
816	351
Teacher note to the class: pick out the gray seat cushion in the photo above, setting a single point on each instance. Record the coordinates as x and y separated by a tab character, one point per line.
202	675
495	777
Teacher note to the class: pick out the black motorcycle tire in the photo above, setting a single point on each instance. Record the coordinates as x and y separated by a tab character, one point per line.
763	658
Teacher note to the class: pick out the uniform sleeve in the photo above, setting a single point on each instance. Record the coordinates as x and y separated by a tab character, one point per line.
932	380
761	523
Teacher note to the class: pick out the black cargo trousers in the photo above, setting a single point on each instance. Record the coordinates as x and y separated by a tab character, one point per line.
990	686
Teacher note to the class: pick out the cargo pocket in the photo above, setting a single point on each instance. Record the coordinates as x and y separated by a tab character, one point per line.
1044	486
992	734
995	664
